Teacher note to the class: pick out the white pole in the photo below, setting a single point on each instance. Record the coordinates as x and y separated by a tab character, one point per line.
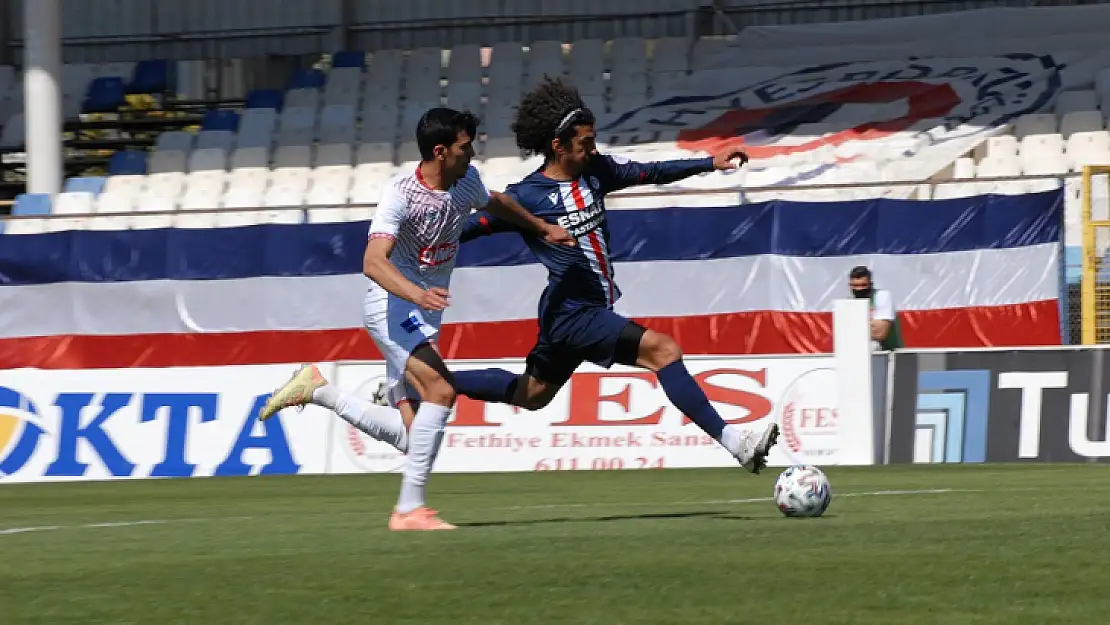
42	53
855	405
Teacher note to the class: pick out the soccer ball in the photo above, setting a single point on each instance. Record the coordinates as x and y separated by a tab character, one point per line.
802	491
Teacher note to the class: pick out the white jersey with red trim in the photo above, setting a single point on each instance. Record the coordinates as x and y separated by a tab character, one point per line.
426	223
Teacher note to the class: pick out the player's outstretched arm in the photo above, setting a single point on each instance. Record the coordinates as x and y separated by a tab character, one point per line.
504	207
481	224
625	173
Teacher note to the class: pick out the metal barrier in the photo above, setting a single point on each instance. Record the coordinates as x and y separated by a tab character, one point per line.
1095	288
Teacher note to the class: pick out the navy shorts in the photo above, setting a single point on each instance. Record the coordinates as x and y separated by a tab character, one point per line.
573	335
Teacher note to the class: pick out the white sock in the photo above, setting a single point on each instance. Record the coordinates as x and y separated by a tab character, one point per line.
381	422
731	439
425	438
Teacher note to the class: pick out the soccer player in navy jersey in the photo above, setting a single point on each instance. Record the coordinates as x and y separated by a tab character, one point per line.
576	317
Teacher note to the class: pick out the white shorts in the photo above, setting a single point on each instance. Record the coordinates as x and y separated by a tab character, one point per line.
398	327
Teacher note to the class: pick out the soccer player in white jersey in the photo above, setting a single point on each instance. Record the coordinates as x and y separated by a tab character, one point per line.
410	253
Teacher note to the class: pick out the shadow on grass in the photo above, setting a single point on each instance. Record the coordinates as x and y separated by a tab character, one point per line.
615	517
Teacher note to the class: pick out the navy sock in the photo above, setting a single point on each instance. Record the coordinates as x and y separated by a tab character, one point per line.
492	385
688	397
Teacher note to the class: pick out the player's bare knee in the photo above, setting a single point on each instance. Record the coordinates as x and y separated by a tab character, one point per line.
439	391
658	350
535	394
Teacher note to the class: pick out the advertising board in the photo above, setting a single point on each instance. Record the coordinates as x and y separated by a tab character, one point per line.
1046	405
140	423
618	419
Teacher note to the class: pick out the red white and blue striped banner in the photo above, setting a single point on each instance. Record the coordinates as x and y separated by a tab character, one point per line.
757	278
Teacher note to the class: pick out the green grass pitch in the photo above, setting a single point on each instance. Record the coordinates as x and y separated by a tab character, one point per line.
989	544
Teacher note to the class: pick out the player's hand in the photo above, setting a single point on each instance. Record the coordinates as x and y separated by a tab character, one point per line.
724	160
435	298
558	235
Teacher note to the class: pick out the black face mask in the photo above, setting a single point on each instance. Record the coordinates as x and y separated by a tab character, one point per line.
863	293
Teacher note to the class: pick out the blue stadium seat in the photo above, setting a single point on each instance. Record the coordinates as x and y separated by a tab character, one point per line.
152	76
349	58
31	204
265	99
127	163
85	184
105	95
307	79
220	119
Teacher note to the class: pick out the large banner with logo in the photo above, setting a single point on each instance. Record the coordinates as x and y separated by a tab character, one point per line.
841	122
754	279
203	421
148	423
622	419
1045	405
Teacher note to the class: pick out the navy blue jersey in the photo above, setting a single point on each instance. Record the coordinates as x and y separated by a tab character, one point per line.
582	274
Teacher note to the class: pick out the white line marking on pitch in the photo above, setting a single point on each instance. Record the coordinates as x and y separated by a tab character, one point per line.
878	493
717	502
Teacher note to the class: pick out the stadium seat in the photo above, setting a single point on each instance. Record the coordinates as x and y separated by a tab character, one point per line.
85	184
127	162
380	122
464	96
115	202
302	99
31	204
671	55
1002	146
167	161
256	128
506	72
334	154
383	79
127	185
544	58
307	79
220	119
344	87
105	95
297	127
586	66
1081	121
248	179
175	141
337	123
1035	124
265	99
630	56
349	58
293	156
423	75
215	139
208	159
465	65
375	152
250	157
13	134
242	197
152	76
1071	101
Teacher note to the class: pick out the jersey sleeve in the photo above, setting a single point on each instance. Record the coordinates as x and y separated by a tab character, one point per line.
481	193
481	223
884	306
620	173
387	220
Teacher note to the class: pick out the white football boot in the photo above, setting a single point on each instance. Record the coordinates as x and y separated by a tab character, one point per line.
755	446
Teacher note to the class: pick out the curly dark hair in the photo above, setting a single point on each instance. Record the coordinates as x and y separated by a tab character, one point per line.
542	110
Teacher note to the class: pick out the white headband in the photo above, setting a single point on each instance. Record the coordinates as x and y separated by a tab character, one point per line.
566	122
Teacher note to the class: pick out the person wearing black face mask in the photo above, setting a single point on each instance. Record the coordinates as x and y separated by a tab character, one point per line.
886	333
